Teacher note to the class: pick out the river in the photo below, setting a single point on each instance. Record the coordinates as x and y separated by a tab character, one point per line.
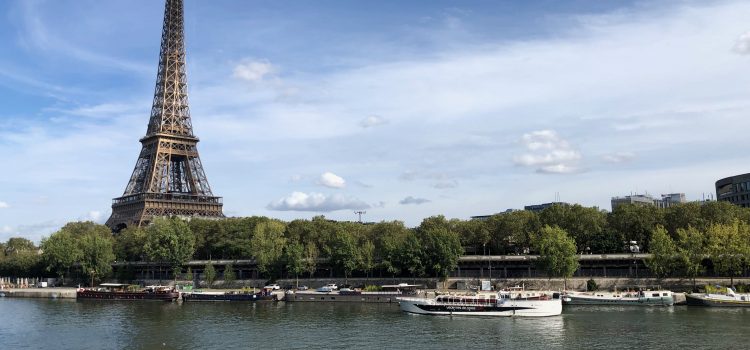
70	324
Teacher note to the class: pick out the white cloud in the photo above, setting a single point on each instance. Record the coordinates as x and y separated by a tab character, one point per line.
372	121
412	200
4	205
329	179
548	153
619	157
253	70
299	201
742	45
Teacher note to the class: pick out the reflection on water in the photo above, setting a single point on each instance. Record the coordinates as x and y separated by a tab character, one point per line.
153	325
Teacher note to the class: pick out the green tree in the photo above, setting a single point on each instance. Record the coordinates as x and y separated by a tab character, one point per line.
389	242
664	253
311	258
512	232
691	251
17	245
267	245
60	252
557	253
729	248
96	255
636	222
442	247
294	256
583	224
209	274
169	241
229	276
189	275
682	216
129	244
344	252
366	256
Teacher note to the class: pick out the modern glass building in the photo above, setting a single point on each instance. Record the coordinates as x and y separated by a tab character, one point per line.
734	189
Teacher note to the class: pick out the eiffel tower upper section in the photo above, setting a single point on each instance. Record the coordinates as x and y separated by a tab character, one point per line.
168	178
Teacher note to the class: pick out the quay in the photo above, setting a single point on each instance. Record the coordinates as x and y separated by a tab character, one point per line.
41	293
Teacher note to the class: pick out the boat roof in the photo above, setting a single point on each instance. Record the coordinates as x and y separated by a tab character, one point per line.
113	285
401	285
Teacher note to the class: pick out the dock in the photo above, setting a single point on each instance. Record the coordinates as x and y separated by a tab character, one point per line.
40	293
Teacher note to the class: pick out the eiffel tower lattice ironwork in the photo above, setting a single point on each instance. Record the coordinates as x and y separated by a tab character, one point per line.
168	178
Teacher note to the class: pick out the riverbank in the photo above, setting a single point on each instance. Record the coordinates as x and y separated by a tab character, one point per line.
42	293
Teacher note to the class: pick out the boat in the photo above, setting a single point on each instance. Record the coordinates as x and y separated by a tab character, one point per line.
641	298
514	302
728	299
349	291
264	295
120	291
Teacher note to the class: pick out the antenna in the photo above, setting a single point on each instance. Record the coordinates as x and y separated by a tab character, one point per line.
360	212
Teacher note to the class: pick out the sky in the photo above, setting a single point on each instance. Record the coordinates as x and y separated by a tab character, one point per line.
400	109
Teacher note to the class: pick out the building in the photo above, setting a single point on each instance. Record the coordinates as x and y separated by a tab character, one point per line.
487	217
539	207
666	201
168	179
734	189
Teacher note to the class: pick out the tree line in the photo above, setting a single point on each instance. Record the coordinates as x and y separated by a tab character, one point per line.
557	234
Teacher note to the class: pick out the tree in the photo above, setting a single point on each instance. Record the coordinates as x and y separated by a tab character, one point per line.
267	245
690	251
294	255
344	252
209	274
129	244
311	258
96	255
442	249
636	222
16	245
229	276
729	248
189	275
682	216
512	232
169	241
366	256
663	253
60	252
583	224
389	242
557	253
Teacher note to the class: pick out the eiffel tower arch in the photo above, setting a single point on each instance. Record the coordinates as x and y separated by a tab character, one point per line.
168	179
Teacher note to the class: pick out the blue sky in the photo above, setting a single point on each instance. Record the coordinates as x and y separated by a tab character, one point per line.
403	109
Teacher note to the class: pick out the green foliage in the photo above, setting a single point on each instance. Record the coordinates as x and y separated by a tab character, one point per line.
636	222
60	252
229	275
97	254
267	245
344	252
582	224
209	274
294	257
591	285
189	274
512	232
19	245
129	244
729	247
557	252
371	288
664	253
690	251
311	258
169	240
441	246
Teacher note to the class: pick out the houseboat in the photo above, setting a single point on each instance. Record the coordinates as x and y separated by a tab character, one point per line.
728	299
264	295
640	298
119	291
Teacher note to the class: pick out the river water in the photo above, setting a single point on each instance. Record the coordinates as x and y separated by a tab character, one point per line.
70	324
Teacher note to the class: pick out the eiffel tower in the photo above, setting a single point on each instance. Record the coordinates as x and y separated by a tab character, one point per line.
168	178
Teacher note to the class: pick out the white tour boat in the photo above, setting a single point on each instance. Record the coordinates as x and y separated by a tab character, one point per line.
515	302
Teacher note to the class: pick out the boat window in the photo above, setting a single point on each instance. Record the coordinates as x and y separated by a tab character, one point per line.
665	294
655	294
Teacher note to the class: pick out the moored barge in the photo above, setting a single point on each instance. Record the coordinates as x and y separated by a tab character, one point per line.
119	291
